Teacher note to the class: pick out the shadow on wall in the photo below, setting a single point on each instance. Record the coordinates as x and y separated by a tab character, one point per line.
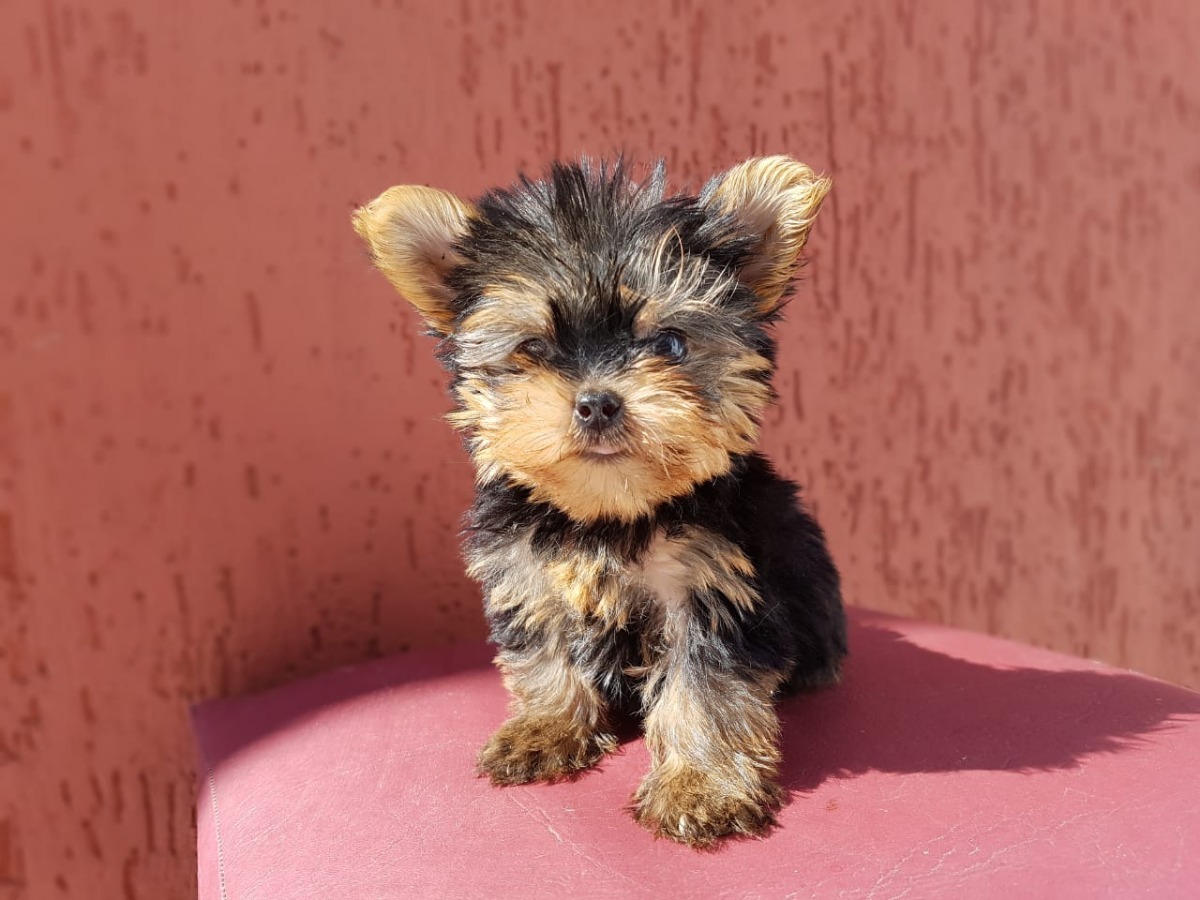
904	708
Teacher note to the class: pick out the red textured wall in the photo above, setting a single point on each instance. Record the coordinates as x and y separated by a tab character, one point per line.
221	460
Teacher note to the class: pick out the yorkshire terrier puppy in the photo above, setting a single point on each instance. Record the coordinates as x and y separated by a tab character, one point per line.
611	358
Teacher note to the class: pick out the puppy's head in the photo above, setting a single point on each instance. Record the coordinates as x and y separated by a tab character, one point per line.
608	342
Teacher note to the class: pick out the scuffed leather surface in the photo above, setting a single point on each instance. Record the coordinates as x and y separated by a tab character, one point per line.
946	764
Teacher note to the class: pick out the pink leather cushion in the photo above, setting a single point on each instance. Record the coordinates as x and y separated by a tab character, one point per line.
946	763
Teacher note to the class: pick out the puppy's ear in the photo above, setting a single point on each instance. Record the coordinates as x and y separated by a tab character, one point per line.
774	200
411	231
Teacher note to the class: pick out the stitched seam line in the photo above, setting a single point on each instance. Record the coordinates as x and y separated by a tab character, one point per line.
212	796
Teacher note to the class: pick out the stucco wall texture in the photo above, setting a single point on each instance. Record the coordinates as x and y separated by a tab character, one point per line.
222	463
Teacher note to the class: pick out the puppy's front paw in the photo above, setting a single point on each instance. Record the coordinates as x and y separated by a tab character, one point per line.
539	749
699	808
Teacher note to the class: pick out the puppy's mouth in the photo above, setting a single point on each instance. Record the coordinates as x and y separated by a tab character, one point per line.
603	452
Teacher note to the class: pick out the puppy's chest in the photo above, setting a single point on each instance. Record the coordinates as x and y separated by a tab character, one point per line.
601	582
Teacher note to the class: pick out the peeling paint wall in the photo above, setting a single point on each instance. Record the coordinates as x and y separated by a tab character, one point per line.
221	458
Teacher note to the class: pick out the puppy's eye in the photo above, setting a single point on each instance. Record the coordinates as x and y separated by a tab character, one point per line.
534	348
670	345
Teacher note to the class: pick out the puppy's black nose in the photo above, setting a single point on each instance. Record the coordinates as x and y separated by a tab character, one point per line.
597	410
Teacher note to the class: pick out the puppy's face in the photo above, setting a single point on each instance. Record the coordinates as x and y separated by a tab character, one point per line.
608	342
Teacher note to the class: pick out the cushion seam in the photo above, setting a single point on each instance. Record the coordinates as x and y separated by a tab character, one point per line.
211	777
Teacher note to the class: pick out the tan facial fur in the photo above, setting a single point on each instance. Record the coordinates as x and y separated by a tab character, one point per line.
521	426
520	423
